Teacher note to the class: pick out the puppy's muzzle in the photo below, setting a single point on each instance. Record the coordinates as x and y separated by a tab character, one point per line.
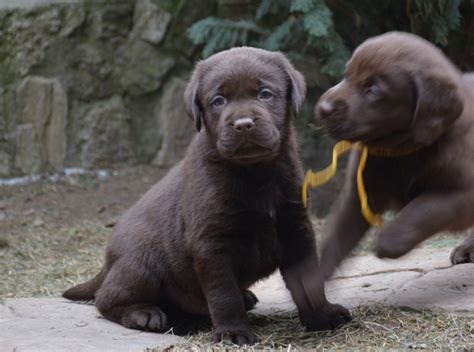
243	124
325	109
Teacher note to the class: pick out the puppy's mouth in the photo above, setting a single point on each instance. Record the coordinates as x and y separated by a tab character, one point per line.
254	154
250	151
371	136
344	129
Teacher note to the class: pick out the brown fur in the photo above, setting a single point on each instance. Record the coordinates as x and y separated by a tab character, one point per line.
399	92
226	216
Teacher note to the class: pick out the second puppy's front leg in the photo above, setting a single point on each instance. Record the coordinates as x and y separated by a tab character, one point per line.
423	217
346	226
301	272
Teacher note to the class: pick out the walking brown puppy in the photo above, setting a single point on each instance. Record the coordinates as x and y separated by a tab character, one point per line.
401	94
226	216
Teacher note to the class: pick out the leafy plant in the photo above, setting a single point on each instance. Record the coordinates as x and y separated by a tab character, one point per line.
330	29
278	25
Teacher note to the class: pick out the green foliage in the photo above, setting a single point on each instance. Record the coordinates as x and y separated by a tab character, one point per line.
302	5
440	16
329	30
279	36
305	23
318	21
271	7
218	34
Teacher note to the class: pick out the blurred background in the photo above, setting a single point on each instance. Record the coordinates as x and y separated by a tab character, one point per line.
99	84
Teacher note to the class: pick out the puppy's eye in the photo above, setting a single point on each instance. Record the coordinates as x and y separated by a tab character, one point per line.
265	95
372	91
218	101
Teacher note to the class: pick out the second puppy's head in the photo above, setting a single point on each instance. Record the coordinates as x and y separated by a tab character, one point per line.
398	89
244	98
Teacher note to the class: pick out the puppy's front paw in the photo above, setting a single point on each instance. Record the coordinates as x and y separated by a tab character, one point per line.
463	253
328	317
238	336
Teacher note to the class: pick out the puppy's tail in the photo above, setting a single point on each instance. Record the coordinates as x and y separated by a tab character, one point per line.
86	291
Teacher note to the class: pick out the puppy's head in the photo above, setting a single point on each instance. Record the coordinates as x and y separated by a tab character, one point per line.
398	89
244	98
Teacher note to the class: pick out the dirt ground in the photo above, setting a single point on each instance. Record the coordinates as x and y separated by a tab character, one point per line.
52	236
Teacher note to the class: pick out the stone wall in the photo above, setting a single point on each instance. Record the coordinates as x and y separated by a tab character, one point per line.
97	84
94	83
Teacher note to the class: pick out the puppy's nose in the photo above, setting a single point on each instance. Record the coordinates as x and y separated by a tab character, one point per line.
243	123
325	109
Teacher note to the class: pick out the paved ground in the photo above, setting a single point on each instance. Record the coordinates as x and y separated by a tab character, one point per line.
422	280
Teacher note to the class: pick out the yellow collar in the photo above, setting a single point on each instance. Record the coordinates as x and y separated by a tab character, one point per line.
316	179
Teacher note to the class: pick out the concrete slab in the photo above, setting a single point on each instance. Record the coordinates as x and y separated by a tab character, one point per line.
421	260
53	324
422	280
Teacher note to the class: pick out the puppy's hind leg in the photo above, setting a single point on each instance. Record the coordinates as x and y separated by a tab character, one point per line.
250	299
131	300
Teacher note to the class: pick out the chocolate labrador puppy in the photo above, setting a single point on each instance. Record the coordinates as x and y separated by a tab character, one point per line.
400	93
227	215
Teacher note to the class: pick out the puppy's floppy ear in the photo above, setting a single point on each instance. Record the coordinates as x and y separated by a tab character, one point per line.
297	84
193	108
438	105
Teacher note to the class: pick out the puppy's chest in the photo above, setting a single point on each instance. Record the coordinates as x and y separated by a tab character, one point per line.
263	199
259	250
257	231
391	183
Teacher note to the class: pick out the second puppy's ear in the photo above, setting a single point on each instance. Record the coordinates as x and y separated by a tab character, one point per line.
193	107
438	105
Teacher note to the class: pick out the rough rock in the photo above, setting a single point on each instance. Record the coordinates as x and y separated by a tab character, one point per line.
105	134
110	19
92	77
141	67
177	129
8	4
55	142
42	139
28	157
132	50
3	120
5	167
26	37
149	22
74	17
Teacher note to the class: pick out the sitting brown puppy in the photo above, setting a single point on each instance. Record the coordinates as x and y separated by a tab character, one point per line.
226	216
400	93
